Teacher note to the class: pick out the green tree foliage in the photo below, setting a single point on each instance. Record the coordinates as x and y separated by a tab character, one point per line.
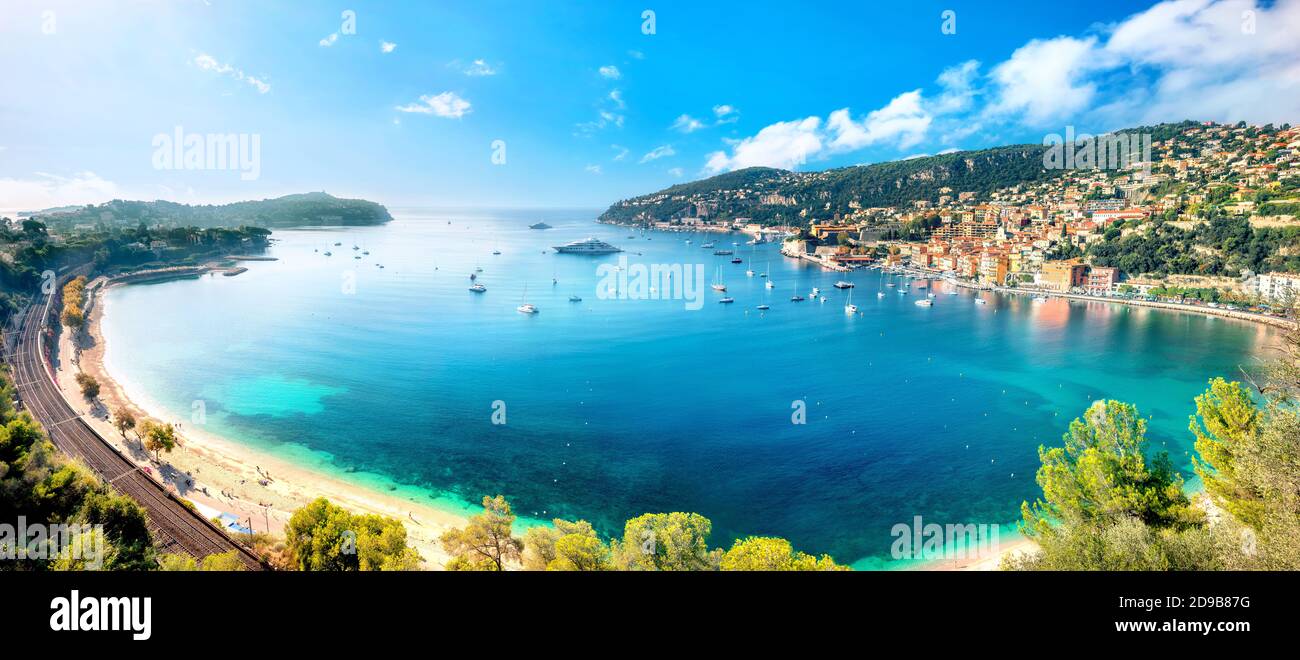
123	421
758	553
1098	487
566	546
89	386
38	483
74	299
157	438
667	542
325	537
485	544
223	561
1226	426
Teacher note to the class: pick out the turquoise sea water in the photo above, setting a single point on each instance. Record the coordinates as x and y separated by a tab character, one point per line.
616	407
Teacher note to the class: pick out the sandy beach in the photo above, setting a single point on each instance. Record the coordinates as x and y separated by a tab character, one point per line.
222	476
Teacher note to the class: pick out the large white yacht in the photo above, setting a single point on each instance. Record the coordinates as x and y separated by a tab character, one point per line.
587	246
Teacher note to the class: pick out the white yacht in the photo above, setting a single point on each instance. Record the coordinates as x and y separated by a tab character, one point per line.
478	288
770	284
586	246
924	302
849	307
844	284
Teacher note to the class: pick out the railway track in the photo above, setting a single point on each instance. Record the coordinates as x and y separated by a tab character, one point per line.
175	527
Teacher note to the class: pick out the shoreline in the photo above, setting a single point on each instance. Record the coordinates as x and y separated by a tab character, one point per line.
1235	315
219	475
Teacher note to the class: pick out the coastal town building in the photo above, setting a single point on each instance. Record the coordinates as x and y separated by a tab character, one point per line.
1278	287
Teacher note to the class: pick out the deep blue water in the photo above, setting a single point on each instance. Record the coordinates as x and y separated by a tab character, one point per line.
620	407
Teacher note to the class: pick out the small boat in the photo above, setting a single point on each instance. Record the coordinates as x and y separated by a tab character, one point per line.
539	225
478	269
844	284
379	265
575	299
719	287
981	301
727	300
354	247
764	307
496	252
356	256
736	260
929	295
749	273
770	284
688	241
880	294
796	298
890	284
338	243
924	302
707	246
328	253
478	288
365	252
527	307
722	253
815	292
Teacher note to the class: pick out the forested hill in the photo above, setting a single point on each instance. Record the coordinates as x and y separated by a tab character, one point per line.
774	196
309	209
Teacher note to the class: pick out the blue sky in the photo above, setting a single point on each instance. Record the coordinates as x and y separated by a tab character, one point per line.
589	107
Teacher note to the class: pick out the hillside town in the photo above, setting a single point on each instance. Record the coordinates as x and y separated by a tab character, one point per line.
1208	214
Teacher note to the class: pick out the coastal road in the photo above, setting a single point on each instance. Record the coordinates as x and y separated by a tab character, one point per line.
175	527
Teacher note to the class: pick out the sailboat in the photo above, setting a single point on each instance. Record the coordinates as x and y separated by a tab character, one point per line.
718	285
849	307
796	297
526	307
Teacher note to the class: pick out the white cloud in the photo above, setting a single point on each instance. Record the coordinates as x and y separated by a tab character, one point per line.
330	40
958	87
617	97
622	152
676	172
687	124
784	144
387	47
479	67
209	63
446	104
659	152
610	71
725	114
1210	65
903	121
49	190
592	169
1045	80
636	54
